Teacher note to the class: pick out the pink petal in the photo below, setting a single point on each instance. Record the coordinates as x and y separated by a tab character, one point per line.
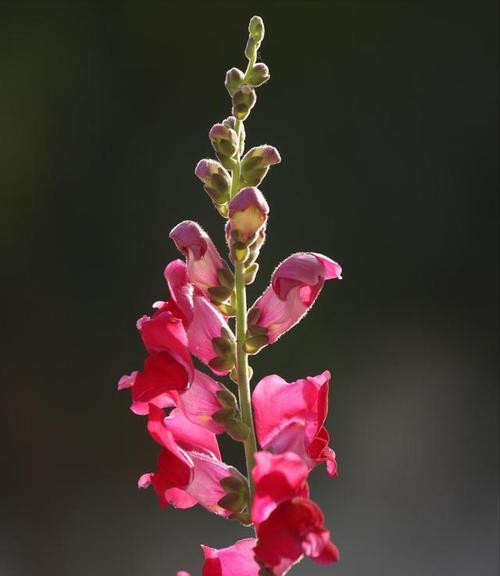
290	417
199	402
207	324
180	288
277	478
236	560
203	259
205	486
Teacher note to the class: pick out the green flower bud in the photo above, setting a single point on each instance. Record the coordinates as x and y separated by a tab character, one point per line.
243	101
255	164
256	28
234	78
225	143
217	181
258	75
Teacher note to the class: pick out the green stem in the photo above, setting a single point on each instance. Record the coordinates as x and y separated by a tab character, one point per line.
242	367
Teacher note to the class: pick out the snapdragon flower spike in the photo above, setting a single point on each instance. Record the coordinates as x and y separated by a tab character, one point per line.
256	162
295	285
168	367
289	525
235	560
189	469
290	417
206	269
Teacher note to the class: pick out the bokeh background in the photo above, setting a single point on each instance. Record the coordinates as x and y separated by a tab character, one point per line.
385	114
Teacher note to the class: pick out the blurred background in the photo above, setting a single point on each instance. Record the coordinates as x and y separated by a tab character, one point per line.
385	114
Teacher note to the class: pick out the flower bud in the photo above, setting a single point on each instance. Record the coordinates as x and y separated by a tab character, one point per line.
234	78
216	179
248	212
243	101
258	75
225	143
255	164
256	28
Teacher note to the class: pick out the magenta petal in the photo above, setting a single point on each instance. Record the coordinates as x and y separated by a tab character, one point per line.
207	324
203	258
277	478
235	560
290	417
199	402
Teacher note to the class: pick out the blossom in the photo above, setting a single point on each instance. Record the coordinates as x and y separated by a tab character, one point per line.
293	530
209	337
290	416
289	525
235	560
248	212
256	162
294	287
189	468
205	266
168	367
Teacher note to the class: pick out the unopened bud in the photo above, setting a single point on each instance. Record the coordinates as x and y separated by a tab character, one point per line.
255	164
216	179
248	212
256	28
243	101
234	78
258	75
225	143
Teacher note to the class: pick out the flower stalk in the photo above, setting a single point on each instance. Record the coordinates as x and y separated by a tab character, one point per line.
280	424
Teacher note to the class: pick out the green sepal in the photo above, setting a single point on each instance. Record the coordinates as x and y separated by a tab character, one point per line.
220	364
254	344
219	293
251	272
226	309
222	346
226	277
226	399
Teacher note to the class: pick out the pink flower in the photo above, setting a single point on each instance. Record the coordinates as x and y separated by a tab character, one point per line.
289	525
199	402
248	212
293	530
210	338
204	263
189	469
277	478
291	417
295	285
236	560
169	365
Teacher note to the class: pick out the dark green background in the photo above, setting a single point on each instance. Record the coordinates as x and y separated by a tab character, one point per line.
385	116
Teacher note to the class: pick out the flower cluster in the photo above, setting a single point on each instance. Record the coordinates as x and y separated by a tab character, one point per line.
281	424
